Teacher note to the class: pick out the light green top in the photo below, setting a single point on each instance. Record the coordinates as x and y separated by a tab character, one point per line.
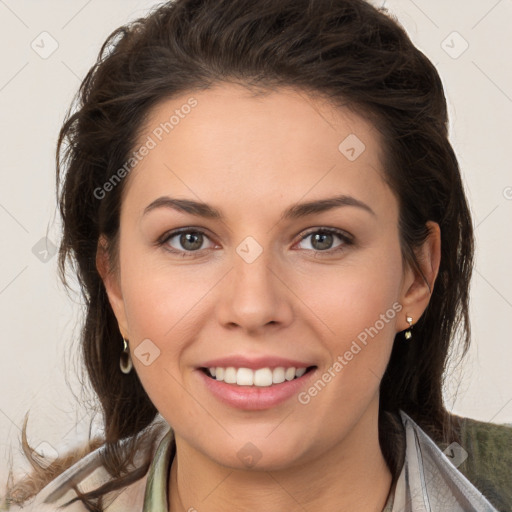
155	497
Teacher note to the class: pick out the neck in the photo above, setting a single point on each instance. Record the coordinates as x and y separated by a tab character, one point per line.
351	475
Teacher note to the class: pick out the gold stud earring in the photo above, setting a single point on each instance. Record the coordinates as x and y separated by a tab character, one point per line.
408	333
125	362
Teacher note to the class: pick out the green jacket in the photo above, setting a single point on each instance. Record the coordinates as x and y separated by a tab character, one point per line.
489	463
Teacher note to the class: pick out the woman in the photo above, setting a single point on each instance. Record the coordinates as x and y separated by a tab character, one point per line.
269	226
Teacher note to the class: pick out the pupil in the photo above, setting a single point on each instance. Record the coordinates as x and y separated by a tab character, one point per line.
188	238
322	237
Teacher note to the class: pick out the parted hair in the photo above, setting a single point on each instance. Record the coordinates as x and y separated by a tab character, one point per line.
348	51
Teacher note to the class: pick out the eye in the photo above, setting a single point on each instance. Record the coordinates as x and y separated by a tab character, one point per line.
322	240
187	241
183	241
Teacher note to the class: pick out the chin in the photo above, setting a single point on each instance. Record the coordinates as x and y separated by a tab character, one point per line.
258	454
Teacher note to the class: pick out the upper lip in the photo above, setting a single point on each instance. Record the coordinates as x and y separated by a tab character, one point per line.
240	361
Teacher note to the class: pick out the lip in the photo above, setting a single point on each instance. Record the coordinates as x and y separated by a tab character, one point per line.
254	398
239	361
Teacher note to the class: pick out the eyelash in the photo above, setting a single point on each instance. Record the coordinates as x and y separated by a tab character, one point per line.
346	239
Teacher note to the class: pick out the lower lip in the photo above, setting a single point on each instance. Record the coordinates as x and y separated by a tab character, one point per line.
255	398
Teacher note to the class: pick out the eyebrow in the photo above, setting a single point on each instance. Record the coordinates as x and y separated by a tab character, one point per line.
296	211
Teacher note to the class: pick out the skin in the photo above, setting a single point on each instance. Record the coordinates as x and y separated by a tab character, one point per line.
253	157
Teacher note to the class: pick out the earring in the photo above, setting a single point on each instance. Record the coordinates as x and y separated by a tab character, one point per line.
408	333
125	362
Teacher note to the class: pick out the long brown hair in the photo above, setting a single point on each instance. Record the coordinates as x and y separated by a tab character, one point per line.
345	50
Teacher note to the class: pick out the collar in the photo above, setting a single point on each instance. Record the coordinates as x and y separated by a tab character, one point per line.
428	482
155	496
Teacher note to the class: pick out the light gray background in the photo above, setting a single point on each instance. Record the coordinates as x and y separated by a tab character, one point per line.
39	321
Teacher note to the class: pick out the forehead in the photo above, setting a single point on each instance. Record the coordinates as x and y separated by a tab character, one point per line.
227	141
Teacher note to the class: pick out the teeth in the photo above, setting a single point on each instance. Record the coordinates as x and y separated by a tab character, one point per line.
244	377
300	372
289	374
262	377
230	375
278	375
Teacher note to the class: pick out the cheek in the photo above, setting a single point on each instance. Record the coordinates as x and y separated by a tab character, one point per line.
355	297
161	308
160	297
359	308
165	304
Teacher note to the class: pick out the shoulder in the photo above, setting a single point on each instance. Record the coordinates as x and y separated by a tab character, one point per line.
488	464
433	479
481	455
89	474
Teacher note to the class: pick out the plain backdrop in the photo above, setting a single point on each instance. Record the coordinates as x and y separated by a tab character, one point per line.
46	49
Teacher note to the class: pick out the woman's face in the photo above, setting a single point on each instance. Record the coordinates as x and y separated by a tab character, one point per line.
287	256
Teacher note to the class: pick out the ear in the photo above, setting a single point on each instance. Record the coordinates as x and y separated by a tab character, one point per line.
112	284
417	288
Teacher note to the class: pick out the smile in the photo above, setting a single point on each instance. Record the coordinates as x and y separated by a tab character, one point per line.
255	389
260	377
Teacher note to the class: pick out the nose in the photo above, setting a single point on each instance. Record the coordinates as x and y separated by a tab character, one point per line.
254	296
